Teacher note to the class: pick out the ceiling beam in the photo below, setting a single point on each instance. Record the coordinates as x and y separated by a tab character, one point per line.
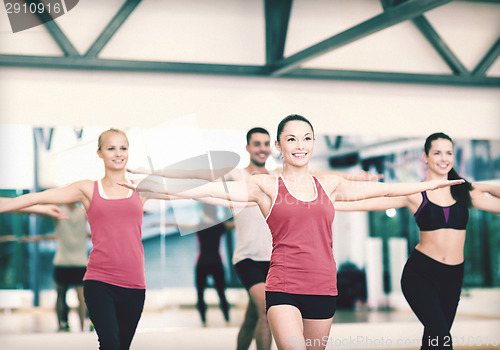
97	64
434	39
57	34
94	63
440	46
488	59
112	27
497	2
390	17
389	77
277	14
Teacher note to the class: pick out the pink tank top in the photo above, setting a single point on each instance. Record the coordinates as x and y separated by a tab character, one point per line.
117	255
302	259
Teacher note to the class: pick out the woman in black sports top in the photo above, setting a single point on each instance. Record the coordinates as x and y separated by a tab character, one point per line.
432	277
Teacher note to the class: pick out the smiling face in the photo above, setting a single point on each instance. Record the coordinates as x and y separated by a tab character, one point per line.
440	158
114	150
296	143
259	148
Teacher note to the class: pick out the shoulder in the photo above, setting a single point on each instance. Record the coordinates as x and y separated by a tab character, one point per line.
83	184
85	187
262	185
236	174
329	181
261	179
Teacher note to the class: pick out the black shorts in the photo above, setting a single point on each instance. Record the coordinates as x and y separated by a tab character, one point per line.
71	276
314	307
252	272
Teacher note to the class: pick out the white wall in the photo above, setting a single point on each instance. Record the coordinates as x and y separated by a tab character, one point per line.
54	97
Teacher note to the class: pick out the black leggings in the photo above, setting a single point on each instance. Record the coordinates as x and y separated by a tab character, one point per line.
217	272
433	290
114	311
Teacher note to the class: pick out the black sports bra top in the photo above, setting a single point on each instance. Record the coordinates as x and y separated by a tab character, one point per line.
430	216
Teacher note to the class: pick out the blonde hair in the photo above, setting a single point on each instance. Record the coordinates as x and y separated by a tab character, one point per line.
104	133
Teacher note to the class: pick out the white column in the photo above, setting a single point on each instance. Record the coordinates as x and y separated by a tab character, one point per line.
398	254
374	273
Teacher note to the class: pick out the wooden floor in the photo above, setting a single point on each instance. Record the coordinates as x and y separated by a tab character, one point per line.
180	328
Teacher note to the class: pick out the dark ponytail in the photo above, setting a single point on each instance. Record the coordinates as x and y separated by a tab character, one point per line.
461	193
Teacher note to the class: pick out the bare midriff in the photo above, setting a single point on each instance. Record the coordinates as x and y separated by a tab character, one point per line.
445	245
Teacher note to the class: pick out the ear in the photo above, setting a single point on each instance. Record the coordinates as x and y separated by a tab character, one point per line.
277	145
99	154
246	147
426	159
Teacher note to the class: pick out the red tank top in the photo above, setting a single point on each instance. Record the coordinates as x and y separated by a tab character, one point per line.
302	258
117	255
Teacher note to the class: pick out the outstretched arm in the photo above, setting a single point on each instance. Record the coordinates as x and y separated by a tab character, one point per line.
235	191
209	200
200	174
487	188
373	204
358	190
47	209
361	176
38	238
69	194
484	202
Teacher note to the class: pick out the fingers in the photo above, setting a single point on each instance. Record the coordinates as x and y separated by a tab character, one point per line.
375	177
139	170
135	171
447	183
366	176
126	185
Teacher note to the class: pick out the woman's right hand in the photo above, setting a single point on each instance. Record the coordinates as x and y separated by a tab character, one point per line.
437	183
139	170
130	186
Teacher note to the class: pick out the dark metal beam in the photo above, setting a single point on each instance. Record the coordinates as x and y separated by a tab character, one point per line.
496	2
94	63
434	39
108	32
90	63
440	46
277	13
57	34
390	17
428	79
488	59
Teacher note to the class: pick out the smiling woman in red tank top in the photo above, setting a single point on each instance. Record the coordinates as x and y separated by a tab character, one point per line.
301	285
114	283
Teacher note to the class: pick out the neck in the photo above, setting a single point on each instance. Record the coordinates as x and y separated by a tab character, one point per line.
111	177
253	168
299	174
434	176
